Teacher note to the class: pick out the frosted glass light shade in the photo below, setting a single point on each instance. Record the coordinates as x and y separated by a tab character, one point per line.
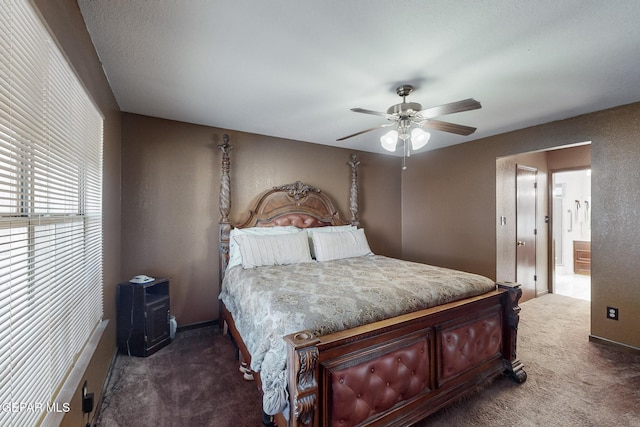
419	138
389	140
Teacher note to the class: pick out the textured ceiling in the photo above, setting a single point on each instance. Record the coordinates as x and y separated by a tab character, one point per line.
294	68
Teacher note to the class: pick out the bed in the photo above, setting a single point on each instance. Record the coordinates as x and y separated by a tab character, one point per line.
387	347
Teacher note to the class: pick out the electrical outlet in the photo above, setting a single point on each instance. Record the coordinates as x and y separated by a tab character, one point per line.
87	400
612	313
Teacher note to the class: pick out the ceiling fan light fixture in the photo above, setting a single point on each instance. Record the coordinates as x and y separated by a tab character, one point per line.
409	119
419	138
389	140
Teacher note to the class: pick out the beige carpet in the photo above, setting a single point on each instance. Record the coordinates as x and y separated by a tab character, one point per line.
571	382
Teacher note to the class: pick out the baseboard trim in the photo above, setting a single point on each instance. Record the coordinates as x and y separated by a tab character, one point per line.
616	344
198	325
105	386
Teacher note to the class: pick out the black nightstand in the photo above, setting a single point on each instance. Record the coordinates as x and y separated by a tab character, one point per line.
143	317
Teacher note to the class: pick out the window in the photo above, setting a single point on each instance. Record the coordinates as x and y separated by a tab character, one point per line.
50	217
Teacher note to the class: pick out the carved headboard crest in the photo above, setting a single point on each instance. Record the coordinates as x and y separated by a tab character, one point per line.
296	204
297	190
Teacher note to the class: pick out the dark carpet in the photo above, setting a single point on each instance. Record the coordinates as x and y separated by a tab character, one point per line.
194	381
571	381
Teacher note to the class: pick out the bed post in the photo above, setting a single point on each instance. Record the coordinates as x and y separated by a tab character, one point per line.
511	318
353	193
302	364
225	207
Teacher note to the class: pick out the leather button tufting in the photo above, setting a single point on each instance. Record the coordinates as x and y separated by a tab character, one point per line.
375	386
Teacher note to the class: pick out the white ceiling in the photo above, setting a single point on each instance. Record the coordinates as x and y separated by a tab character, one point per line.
294	68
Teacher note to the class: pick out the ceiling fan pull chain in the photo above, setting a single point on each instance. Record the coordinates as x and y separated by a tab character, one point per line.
404	157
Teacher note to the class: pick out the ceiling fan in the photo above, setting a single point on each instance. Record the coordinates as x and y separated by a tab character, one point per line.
411	120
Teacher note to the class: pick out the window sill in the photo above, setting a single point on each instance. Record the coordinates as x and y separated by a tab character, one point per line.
72	383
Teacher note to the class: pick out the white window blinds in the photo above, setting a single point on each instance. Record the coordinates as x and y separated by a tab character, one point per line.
50	217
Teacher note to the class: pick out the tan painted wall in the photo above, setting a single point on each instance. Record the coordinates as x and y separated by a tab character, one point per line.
569	158
170	211
65	21
449	207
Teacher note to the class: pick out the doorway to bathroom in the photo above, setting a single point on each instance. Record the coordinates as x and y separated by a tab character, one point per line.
571	233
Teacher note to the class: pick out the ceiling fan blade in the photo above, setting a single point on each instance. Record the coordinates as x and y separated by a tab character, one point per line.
448	127
365	131
454	107
375	113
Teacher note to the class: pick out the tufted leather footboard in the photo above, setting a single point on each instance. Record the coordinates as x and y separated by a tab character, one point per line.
398	371
373	383
464	346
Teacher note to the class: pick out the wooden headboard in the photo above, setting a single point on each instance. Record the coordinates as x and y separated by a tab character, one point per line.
297	204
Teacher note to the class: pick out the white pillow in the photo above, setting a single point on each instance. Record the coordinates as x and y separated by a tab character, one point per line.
279	249
327	229
331	228
235	258
346	244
